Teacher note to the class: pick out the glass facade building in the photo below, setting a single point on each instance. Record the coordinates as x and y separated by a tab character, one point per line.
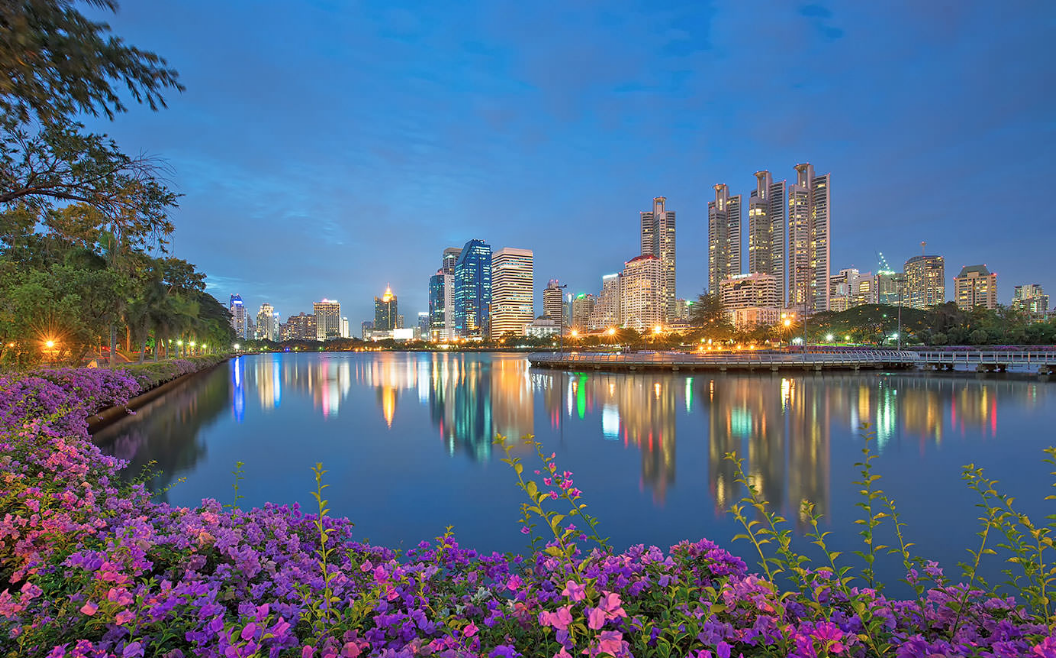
473	290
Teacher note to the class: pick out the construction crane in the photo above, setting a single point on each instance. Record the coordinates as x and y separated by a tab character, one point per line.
884	267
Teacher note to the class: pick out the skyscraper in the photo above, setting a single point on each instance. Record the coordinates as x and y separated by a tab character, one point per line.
925	281
724	236
1030	298
512	291
553	306
606	313
808	241
766	230
582	307
238	316
386	313
658	239
266	329
640	293
327	319
975	286
437	306
472	278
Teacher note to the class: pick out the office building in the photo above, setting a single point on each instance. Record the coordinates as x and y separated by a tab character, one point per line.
1032	299
749	290
753	316
606	313
438	308
851	288
512	291
890	287
327	319
808	241
365	329
640	282
975	286
266	328
682	308
658	239
724	236
238	317
925	281
766	230
542	327
553	303
344	328
472	279
300	327
582	307
386	312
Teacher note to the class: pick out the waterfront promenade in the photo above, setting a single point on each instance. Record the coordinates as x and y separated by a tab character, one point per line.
1042	362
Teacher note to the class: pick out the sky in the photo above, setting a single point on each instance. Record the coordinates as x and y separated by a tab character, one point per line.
332	148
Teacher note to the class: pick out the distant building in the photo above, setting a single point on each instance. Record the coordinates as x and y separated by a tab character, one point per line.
344	327
925	281
749	291
327	319
553	304
266	328
753	316
1032	299
640	293
851	288
890	288
682	309
472	279
512	291
658	239
366	329
975	286
766	230
542	326
606	313
809	240
386	312
238	316
724	236
421	330
582	307
300	327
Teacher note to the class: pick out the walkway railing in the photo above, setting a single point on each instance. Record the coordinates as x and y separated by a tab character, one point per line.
849	359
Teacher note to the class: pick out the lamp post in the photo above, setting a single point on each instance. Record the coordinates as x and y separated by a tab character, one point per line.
898	285
561	323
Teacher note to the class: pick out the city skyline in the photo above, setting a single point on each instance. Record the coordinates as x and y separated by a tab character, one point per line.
503	131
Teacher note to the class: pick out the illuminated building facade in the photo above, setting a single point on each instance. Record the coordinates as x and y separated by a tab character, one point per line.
640	283
327	319
300	327
750	299
925	281
238	316
512	291
267	328
553	304
1032	299
724	236
887	284
851	288
606	311
582	307
808	241
386	313
975	286
472	279
658	239
766	230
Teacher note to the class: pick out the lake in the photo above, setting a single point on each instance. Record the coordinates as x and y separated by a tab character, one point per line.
407	442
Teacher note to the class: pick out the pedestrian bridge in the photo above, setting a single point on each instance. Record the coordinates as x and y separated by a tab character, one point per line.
981	361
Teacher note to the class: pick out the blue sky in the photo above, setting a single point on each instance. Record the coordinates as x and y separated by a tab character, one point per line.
326	149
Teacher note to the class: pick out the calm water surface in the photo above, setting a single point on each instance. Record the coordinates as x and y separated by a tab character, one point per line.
406	438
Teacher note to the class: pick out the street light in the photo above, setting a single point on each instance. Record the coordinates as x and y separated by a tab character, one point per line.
828	338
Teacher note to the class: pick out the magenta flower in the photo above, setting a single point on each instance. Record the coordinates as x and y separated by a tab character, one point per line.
596	618
123	618
1046	649
89	608
525	530
611	642
470	630
574	591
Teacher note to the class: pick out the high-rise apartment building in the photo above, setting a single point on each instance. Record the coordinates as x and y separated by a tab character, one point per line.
442	298
327	319
749	290
238	316
724	236
766	230
851	288
386	311
553	304
925	281
640	284
890	287
658	239
344	327
809	226
606	313
266	329
1032	299
512	291
582	307
975	286
300	327
472	279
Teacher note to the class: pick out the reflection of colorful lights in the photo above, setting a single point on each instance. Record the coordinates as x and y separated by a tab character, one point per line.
610	422
689	394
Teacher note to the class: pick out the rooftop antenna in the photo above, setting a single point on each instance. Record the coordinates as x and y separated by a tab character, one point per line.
922	248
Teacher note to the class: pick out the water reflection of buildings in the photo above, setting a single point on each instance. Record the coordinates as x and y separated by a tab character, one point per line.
327	378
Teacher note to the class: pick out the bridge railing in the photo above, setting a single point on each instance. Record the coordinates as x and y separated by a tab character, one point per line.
737	359
985	357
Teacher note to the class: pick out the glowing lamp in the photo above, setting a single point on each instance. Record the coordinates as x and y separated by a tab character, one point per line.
828	338
49	344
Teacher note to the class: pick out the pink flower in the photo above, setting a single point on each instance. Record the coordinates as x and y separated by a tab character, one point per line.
89	608
610	642
525	530
1047	648
596	619
548	481
470	630
562	654
123	618
559	620
553	494
351	650
514	583
610	603
574	591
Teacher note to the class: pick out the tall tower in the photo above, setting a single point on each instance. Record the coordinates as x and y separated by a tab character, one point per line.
238	316
327	319
472	279
724	236
808	241
658	239
512	291
766	230
386	311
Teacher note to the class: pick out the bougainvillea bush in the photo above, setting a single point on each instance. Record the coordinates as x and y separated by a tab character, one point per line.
92	567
